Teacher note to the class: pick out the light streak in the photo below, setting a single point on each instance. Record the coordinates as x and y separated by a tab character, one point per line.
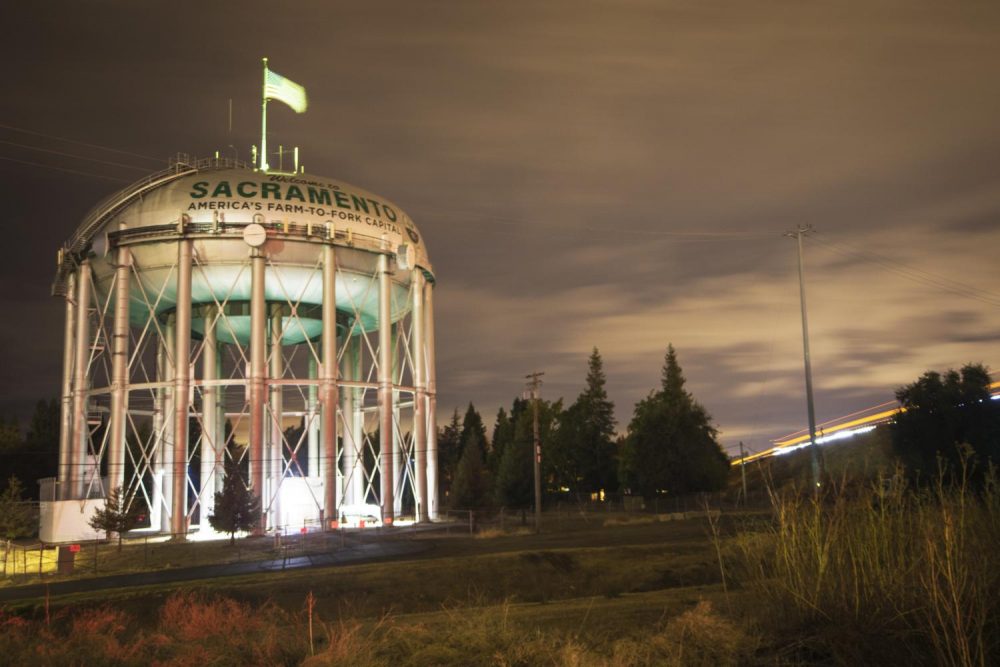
833	430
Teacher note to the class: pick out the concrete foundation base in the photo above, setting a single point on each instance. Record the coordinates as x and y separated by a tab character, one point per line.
67	520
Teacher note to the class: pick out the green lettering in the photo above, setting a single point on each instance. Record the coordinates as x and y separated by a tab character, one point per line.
268	189
222	189
293	192
317	196
359	204
375	204
199	189
389	213
247	189
342	200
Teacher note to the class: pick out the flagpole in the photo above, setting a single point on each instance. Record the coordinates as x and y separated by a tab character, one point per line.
263	122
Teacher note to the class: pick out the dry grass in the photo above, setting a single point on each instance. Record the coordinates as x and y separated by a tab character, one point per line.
629	521
492	533
196	630
491	636
190	630
699	636
887	574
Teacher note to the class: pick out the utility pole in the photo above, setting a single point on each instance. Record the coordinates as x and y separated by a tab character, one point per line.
817	458
743	472
534	382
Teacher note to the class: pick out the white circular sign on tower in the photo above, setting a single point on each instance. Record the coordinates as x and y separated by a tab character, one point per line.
406	257
254	235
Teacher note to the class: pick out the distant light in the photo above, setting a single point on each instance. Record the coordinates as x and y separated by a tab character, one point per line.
822	440
778	451
841	435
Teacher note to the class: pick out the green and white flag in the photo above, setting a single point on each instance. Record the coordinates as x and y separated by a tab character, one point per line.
277	87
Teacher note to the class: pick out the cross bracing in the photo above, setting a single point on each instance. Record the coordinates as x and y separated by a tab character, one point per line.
157	410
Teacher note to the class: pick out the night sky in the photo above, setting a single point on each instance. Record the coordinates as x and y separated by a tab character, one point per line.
616	174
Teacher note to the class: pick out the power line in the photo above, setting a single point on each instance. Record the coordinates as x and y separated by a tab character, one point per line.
68	171
74	156
904	269
889	262
81	143
917	275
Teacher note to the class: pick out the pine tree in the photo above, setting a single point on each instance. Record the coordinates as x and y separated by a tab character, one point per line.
503	435
471	487
16	518
473	430
43	431
237	508
449	444
515	485
10	437
586	442
671	445
120	514
35	454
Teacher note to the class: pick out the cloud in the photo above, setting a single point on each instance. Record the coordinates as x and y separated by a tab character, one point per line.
610	174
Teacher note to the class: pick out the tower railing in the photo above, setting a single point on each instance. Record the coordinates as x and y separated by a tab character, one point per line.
180	165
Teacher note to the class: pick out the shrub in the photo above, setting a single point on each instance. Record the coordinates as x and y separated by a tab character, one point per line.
197	630
699	636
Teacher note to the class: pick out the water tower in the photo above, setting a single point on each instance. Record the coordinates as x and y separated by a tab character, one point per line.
284	321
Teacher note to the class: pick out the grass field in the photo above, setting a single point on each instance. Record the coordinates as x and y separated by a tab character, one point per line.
570	559
581	587
869	572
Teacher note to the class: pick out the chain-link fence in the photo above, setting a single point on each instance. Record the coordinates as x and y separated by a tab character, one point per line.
566	508
138	552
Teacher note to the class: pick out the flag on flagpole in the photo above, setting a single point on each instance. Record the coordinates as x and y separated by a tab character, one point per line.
277	87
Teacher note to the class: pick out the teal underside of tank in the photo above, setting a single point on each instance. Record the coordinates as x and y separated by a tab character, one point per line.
236	329
287	288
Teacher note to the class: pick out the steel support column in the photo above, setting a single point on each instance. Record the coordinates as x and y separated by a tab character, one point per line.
329	398
420	394
352	472
81	382
66	397
119	370
258	360
162	430
211	461
432	454
182	391
276	446
359	482
220	413
385	402
312	420
399	455
398	460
